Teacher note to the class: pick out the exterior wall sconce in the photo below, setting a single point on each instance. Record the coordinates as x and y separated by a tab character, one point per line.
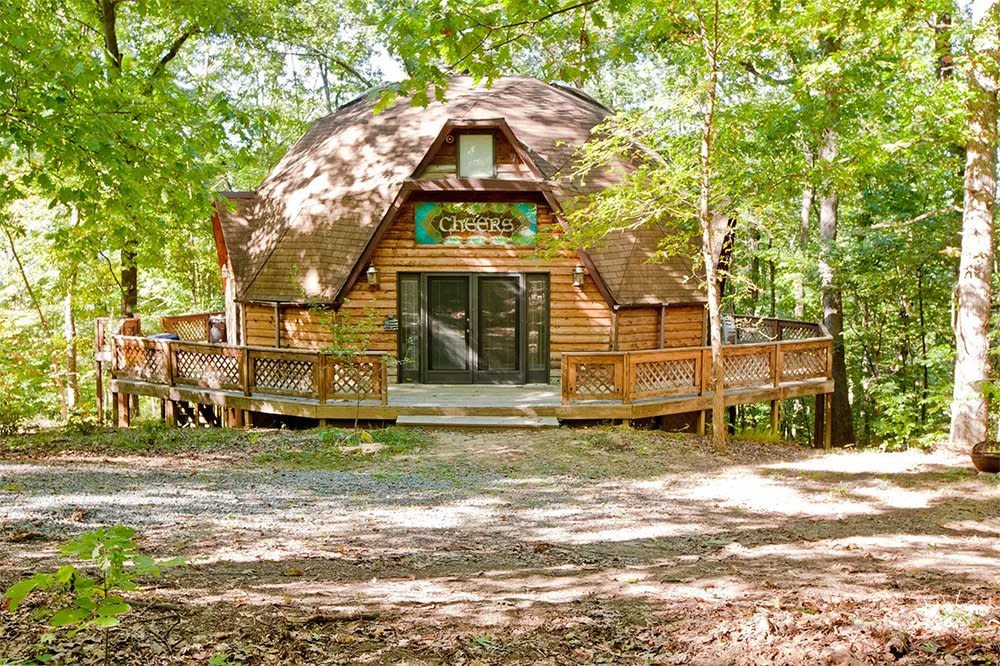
578	276
372	276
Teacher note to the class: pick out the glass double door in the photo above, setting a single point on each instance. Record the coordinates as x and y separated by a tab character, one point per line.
473	328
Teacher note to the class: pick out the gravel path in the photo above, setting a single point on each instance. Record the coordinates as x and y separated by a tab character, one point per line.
710	553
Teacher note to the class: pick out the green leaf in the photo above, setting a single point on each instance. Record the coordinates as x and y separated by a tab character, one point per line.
68	617
106	622
17	592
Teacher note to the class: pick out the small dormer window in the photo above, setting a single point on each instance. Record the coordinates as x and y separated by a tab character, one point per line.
476	156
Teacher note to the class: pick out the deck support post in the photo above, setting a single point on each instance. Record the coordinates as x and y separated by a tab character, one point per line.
100	393
232	418
700	426
204	413
170	413
774	418
827	421
123	411
822	430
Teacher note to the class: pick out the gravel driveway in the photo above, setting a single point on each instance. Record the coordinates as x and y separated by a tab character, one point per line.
526	547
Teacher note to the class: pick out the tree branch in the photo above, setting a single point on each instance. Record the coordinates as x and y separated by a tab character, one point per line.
750	67
174	49
27	283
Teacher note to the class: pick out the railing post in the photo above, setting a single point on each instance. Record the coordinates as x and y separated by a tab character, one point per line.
564	379
319	376
384	372
169	362
245	370
628	383
777	363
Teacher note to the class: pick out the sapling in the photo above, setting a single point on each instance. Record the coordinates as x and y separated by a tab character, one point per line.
90	595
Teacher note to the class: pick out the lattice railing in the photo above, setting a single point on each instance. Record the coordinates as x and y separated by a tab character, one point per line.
594	376
254	371
216	366
137	358
752	330
660	374
284	373
749	366
803	363
194	327
356	377
643	375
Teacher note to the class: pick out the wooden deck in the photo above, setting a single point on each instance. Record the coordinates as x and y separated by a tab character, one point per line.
231	380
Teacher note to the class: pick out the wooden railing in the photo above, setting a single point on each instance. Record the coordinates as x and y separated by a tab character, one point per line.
639	375
106	327
750	329
195	327
255	371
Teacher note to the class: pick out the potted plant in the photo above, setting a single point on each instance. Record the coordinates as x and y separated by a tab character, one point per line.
986	456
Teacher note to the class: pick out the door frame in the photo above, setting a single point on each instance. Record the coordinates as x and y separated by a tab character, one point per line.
474	375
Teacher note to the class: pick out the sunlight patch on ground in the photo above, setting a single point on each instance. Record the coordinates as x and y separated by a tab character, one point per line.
745	489
872	462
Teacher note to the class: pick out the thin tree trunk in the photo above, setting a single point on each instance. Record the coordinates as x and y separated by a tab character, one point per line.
805	213
925	388
53	355
969	416
842	426
755	288
770	278
713	232
69	333
130	280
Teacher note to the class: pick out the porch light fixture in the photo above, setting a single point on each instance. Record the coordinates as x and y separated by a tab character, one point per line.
372	275
578	276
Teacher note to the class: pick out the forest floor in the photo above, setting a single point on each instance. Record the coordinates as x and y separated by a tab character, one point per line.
554	547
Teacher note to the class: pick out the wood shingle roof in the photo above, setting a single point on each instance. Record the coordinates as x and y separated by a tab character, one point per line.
300	235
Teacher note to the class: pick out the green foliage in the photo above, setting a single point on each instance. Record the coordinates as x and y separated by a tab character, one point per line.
222	659
343	449
91	595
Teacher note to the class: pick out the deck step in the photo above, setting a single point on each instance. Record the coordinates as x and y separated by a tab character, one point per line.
485	422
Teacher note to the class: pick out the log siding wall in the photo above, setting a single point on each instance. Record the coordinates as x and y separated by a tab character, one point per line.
580	318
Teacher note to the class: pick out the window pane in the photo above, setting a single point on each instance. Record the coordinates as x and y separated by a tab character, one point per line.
538	322
409	327
475	155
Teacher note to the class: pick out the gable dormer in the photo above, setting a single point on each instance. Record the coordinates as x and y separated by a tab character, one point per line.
477	149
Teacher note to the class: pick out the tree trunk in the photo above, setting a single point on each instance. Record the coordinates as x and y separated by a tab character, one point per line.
69	333
805	213
130	280
842	426
969	416
713	233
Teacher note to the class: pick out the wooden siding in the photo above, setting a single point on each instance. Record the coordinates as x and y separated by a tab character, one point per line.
684	326
444	163
637	329
580	318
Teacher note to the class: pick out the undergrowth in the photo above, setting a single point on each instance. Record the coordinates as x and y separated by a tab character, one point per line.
337	448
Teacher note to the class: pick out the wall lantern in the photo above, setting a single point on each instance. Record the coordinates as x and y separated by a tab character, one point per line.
372	276
578	276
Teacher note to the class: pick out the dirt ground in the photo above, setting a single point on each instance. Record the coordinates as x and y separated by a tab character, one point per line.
555	547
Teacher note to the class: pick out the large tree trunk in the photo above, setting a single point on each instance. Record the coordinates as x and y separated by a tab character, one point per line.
969	416
842	425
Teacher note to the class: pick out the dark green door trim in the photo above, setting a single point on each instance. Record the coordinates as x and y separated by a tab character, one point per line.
461	329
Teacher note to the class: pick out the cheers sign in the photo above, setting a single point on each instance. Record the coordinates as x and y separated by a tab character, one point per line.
476	224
